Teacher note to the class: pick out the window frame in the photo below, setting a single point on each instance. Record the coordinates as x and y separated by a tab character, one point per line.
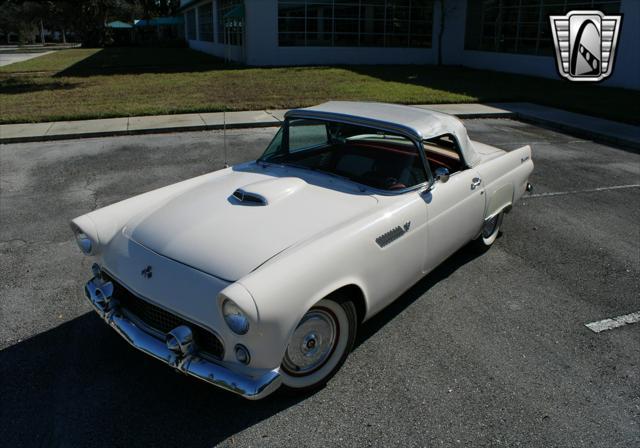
191	22
200	23
362	36
518	20
457	149
288	135
236	31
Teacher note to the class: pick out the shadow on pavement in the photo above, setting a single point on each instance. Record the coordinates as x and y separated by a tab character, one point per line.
81	385
444	270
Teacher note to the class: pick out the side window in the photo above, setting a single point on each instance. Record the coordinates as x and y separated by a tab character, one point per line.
443	152
275	147
305	134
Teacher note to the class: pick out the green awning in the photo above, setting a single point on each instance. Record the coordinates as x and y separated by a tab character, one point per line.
159	21
117	24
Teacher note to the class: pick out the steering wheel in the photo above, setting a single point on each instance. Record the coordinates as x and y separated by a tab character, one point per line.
392	184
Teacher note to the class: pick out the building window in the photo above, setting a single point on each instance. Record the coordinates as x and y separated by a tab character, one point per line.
230	22
521	26
191	24
355	23
205	22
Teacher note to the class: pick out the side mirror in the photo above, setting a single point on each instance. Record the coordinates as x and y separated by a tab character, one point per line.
442	174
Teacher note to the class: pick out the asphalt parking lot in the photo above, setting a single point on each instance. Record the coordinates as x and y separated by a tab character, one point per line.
488	350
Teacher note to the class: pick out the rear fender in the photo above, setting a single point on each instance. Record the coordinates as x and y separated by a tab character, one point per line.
505	179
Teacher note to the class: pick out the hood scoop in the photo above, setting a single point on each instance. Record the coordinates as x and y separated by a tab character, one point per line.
247	198
267	192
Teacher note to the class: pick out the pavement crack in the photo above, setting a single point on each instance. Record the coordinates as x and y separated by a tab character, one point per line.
589	190
16	240
93	194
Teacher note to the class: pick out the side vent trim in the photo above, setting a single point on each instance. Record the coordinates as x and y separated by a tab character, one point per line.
389	237
247	198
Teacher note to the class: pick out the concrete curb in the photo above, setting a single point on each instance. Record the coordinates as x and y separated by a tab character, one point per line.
204	127
64	130
585	133
596	129
162	130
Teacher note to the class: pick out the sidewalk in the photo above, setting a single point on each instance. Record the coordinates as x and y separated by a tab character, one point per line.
585	126
7	58
582	125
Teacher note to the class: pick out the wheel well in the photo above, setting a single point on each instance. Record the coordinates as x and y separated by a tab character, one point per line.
355	294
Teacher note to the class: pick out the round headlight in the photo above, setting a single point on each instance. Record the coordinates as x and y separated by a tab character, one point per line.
234	317
84	242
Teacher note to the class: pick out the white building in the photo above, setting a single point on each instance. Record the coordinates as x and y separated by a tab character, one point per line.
504	35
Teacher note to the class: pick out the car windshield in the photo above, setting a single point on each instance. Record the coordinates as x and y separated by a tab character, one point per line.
375	158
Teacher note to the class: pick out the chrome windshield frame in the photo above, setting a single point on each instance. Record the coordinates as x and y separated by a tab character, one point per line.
417	142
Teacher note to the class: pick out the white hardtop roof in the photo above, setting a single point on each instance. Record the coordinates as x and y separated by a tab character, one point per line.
417	122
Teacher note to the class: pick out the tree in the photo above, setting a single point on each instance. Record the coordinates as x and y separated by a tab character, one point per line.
62	17
36	13
9	18
87	17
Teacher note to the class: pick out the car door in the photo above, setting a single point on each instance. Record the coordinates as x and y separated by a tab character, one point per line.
455	210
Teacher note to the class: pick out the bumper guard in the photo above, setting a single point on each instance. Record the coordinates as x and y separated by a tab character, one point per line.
100	293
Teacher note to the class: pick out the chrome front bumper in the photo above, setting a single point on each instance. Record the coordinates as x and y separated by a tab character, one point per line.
100	293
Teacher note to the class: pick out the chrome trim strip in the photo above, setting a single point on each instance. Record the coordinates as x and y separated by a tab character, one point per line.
389	237
190	364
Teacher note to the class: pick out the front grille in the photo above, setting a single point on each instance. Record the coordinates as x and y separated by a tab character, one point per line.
163	321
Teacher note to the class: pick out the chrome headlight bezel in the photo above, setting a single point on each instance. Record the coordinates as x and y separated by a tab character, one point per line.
235	318
84	243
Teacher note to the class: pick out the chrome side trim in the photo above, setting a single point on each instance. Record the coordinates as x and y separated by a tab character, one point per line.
187	362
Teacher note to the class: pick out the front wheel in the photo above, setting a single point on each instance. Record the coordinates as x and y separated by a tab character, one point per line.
320	344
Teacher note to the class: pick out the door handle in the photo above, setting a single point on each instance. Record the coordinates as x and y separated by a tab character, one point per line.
475	183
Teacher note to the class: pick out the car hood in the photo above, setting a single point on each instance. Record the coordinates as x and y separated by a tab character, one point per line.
210	229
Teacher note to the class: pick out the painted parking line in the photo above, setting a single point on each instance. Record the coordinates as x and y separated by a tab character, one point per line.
614	322
590	190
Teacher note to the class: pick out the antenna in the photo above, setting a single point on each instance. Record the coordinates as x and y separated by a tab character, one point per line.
224	138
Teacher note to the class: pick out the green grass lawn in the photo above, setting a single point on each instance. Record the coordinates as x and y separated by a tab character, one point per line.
98	83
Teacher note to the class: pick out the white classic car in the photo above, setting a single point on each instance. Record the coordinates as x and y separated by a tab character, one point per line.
258	275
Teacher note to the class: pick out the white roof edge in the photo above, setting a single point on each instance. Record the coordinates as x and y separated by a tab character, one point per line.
417	122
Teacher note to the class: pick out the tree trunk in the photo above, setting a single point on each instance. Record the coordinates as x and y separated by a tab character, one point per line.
41	32
64	36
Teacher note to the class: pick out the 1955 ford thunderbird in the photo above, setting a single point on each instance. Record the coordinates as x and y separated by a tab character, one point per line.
258	275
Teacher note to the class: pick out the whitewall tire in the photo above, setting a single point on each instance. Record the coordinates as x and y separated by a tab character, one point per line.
320	344
489	234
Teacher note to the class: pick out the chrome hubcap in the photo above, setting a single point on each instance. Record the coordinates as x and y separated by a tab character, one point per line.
312	342
489	227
